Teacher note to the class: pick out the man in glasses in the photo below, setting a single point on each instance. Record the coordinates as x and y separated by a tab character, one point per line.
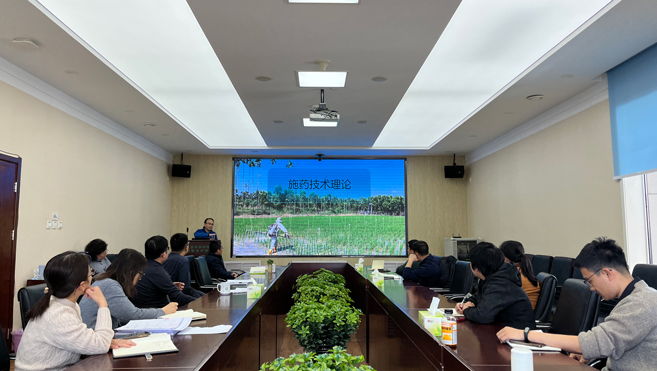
628	336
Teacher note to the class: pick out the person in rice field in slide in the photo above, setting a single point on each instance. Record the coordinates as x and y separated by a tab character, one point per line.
273	234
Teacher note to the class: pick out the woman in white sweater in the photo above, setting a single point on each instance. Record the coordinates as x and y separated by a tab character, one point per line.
118	284
55	335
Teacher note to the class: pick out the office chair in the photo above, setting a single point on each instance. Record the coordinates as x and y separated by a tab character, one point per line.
204	280
461	281
542	263
111	257
192	270
543	307
577	310
4	355
647	272
562	269
27	297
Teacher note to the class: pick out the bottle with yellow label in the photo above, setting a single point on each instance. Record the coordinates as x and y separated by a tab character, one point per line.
449	331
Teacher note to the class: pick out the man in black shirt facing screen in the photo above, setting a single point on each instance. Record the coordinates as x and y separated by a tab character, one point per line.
428	273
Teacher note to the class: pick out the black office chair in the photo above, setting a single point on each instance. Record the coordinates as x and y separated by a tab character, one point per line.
562	269
577	310
543	308
204	280
111	257
542	263
462	279
27	297
192	270
4	355
647	272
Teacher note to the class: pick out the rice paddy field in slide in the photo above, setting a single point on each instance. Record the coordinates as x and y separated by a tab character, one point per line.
322	235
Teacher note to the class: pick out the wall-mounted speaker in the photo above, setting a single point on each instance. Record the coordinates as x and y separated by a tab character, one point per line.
456	171
181	171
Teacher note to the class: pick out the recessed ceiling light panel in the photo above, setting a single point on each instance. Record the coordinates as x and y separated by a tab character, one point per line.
319	124
321	79
160	49
483	67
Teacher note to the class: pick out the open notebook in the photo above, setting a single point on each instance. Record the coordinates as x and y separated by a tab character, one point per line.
189	313
153	344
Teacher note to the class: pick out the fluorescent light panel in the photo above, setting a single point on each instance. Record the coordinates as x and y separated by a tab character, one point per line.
485	46
319	124
322	79
323	1
160	49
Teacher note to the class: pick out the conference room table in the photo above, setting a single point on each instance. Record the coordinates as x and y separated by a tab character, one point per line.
390	334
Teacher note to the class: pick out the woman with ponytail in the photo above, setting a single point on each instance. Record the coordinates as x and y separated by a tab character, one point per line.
514	253
55	335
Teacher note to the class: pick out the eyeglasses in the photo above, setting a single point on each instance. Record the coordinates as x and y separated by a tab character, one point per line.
587	280
92	272
141	275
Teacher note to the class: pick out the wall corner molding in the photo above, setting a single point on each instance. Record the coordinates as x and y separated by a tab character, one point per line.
39	89
580	102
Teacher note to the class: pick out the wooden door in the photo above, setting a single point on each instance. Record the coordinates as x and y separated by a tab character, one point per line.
10	168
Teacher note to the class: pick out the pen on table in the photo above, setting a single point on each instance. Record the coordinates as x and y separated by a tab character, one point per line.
465	297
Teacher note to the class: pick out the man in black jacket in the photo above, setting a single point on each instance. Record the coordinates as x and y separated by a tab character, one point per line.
156	288
216	262
428	273
501	299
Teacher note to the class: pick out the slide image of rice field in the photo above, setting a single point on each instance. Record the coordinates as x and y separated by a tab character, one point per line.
322	235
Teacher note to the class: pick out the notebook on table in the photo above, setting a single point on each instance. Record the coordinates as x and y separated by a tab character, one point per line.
189	313
153	344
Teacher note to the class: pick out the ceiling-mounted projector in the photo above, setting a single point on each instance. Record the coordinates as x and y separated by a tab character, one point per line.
320	112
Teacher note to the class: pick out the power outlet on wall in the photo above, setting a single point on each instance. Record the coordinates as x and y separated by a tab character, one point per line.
48	224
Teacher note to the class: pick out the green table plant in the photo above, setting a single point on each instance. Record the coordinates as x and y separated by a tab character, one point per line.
336	359
318	326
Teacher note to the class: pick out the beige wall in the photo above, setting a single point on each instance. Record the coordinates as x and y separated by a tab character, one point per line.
100	186
436	206
552	191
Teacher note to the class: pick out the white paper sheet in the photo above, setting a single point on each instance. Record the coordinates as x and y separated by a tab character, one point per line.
221	329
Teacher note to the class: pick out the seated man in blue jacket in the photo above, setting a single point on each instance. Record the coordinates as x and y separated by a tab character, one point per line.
428	273
206	232
156	289
501	299
216	262
177	264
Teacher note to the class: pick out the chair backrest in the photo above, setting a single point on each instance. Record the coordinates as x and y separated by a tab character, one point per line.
542	263
203	277
543	307
447	268
4	355
562	268
530	256
462	279
577	310
392	265
27	297
111	257
576	272
647	272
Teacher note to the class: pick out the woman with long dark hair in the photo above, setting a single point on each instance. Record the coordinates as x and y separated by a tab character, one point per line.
97	250
118	284
514	253
55	336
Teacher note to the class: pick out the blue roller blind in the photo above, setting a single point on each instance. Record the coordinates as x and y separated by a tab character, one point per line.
633	110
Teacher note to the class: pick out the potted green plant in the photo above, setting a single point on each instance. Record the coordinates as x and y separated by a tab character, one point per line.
322	326
272	267
336	359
